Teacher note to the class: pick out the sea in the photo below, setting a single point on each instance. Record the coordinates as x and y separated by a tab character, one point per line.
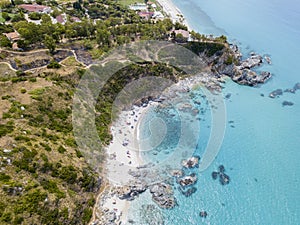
261	146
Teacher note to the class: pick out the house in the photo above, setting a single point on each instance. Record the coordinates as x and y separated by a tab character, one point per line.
139	7
36	8
13	36
158	15
152	4
184	33
61	19
146	15
15	47
75	19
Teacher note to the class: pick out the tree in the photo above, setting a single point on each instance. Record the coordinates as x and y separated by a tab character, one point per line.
35	16
76	5
6	16
4	3
4	42
180	38
49	42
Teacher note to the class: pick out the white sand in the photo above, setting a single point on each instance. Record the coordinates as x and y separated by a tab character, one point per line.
123	151
173	12
124	155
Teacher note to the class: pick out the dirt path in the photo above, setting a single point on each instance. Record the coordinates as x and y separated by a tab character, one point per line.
37	51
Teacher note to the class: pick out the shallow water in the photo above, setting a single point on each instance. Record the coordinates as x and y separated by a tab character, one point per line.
261	151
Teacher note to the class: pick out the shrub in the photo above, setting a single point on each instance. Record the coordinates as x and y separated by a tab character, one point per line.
6	129
4	42
23	90
51	186
32	80
61	149
53	65
87	215
68	174
4	178
35	16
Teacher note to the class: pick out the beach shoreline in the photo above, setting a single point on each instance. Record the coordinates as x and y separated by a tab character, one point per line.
173	12
123	156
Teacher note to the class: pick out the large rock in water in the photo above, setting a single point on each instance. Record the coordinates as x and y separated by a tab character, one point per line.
254	60
249	77
163	195
276	93
297	86
188	180
191	162
130	192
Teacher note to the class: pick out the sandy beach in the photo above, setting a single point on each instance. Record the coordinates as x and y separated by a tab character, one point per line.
123	156
123	152
173	12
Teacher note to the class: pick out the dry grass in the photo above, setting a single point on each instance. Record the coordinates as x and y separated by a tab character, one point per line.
71	61
6	72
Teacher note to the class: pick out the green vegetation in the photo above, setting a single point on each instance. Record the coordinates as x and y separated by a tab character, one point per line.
208	48
130	2
35	16
53	65
6	129
47	180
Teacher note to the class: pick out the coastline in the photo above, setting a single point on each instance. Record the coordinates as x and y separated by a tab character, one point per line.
117	153
173	12
123	156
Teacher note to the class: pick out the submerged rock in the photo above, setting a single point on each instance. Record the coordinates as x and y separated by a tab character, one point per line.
297	86
188	192
224	179
221	169
287	103
163	195
276	93
290	90
214	175
203	214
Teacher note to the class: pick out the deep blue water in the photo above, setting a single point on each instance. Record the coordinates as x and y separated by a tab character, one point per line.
261	153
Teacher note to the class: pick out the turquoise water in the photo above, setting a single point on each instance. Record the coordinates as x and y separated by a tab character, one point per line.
261	153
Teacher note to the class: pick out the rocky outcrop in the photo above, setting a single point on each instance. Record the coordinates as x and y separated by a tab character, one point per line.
297	86
250	78
188	192
287	103
231	65
191	162
130	192
276	93
188	180
223	178
176	173
203	214
163	195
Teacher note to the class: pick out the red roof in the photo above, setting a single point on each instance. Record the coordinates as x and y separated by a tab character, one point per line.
34	7
75	19
60	19
146	14
13	36
184	33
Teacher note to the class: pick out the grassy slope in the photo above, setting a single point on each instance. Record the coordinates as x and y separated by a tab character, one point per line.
44	179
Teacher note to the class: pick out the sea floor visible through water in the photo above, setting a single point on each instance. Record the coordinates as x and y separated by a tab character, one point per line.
260	150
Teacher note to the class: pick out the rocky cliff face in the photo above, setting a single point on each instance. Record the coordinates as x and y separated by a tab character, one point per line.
229	62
